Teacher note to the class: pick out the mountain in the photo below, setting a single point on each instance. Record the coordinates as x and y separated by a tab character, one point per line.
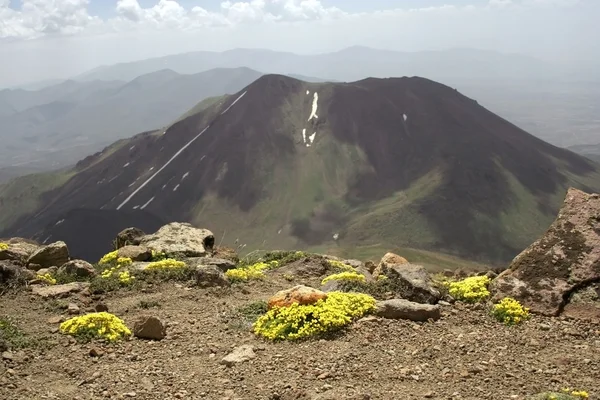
59	125
377	163
591	151
349	64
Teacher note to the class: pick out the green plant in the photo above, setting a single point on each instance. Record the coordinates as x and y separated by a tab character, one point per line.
472	290
565	394
146	304
253	271
170	272
510	311
340	265
11	335
245	316
158	255
166	263
304	321
344	276
101	325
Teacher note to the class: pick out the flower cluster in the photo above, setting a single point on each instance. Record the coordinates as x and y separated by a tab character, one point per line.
125	277
3	246
101	325
302	321
344	276
340	265
382	277
580	394
510	311
109	257
158	255
47	278
121	262
165	264
253	271
473	289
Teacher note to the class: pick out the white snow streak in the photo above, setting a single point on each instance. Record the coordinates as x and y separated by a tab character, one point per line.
185	175
235	101
308	92
164	186
176	187
405	117
146	204
136	207
304	135
126	165
132	147
202	158
313	113
312	137
161	168
59	222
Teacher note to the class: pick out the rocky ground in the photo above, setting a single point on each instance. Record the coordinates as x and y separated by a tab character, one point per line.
464	355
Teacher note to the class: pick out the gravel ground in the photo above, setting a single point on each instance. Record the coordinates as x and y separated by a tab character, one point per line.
464	355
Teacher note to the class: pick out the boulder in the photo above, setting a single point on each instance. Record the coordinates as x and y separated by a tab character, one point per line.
149	328
389	259
404	309
221	263
226	253
298	294
54	254
10	271
44	271
239	355
565	258
18	250
79	268
129	237
410	282
59	290
210	275
180	238
135	252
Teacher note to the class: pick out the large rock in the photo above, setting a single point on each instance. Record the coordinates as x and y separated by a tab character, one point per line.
566	257
182	239
389	259
59	290
210	275
221	263
52	255
298	294
10	271
149	328
136	253
79	268
226	253
19	250
410	282
129	237
404	309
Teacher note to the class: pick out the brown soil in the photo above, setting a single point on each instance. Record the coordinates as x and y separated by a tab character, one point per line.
464	355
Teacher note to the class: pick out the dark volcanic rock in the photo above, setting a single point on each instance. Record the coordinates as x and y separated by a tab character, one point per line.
565	258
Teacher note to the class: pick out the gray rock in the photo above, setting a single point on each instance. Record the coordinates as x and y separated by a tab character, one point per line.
404	309
59	290
136	253
44	271
79	268
239	355
11	271
563	259
209	276
18	251
180	238
52	255
129	237
149	328
221	263
411	282
73	309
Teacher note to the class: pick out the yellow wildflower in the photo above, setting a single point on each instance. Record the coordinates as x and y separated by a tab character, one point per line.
347	276
96	325
3	246
472	289
510	311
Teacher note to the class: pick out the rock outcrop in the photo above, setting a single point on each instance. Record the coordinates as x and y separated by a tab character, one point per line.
180	238
404	309
565	258
79	268
52	255
135	252
410	282
129	237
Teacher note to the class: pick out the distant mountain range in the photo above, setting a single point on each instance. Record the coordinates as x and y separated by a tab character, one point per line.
349	64
360	167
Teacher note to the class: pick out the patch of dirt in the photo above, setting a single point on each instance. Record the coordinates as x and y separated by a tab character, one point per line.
466	354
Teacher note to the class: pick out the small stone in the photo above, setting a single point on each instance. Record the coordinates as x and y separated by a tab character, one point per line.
96	352
130	394
545	327
7	355
73	309
238	355
428	395
55	320
101	307
324	375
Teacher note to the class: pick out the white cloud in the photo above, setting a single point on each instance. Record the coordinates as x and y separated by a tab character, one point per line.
38	18
44	17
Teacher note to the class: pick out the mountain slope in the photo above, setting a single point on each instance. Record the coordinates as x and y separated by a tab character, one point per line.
381	162
83	117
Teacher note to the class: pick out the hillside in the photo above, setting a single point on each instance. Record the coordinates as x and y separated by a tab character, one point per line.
378	163
58	125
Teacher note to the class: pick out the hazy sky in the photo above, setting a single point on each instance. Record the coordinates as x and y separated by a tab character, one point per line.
42	39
